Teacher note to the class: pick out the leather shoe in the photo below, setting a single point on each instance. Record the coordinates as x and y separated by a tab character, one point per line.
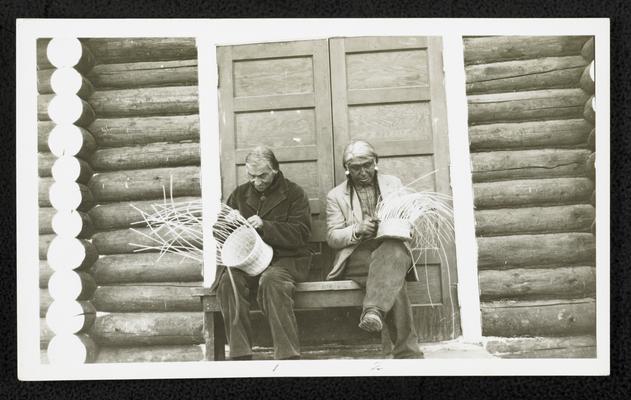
371	322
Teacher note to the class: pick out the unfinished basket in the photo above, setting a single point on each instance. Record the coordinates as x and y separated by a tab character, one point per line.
244	249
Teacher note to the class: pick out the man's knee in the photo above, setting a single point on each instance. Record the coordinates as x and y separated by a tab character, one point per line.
225	284
274	284
394	248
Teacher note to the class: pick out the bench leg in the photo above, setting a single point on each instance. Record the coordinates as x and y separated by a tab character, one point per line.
219	345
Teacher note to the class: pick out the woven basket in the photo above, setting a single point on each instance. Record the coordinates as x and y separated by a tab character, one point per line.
244	249
400	229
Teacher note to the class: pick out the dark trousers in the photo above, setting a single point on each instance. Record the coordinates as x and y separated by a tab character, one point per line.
275	289
381	267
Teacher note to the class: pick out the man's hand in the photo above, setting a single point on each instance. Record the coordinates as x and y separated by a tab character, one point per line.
255	221
367	229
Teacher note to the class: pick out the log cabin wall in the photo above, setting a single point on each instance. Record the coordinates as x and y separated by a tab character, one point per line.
146	135
531	131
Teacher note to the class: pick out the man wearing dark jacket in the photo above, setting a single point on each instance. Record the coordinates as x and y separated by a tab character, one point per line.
279	210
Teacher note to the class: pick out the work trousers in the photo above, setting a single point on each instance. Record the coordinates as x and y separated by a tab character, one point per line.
275	289
381	267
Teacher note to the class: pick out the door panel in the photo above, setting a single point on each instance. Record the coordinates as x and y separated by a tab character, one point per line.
390	92
278	94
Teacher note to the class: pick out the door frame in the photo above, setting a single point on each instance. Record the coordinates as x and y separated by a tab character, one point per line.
460	171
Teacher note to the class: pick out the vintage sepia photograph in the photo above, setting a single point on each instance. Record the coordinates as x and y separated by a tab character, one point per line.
314	199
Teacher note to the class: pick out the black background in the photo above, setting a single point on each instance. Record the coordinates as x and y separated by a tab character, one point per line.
615	386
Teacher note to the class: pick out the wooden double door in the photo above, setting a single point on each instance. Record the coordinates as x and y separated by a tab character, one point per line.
308	99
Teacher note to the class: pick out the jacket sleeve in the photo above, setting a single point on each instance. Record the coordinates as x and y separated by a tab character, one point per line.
296	231
338	235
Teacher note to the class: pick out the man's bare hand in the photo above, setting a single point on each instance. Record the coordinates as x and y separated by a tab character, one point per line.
255	221
367	228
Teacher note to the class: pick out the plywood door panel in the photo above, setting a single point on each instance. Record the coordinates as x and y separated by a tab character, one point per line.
278	94
390	92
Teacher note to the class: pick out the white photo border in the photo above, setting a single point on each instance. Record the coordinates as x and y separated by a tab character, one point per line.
210	33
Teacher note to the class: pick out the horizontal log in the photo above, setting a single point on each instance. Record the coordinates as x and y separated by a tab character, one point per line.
87	200
520	283
159	297
532	192
543	347
43	80
140	329
172	100
145	74
81	256
45	300
125	50
125	215
590	165
46	215
145	267
75	285
522	135
45	334
587	51
44	242
128	354
145	184
505	252
539	318
525	164
79	112
45	162
70	53
526	106
75	80
72	350
80	168
155	155
588	110
479	50
511	221
127	241
45	271
587	79
118	132
591	139
69	140
541	73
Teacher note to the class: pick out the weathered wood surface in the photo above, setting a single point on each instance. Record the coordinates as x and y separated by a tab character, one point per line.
156	155
157	297
479	50
587	51
45	334
122	241
511	221
46	215
172	100
544	347
523	135
145	74
85	118
145	267
125	215
125	50
145	184
45	271
591	139
44	302
505	252
590	165
178	353
43	80
526	164
540	73
526	106
519	283
44	242
140	329
539	318
530	192
118	132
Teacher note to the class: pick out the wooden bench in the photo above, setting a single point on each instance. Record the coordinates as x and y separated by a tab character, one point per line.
316	294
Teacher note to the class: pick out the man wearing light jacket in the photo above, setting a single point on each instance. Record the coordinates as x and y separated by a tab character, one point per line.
380	265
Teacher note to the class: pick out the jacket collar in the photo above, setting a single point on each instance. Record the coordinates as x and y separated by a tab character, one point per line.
384	189
272	196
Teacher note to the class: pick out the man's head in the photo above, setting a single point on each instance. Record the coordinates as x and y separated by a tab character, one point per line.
360	161
261	166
